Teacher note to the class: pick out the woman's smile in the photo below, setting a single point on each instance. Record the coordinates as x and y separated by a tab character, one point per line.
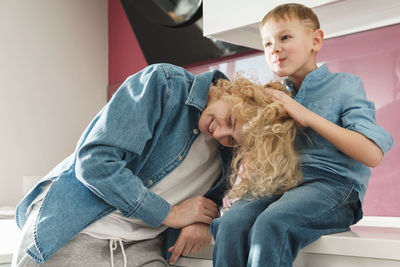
210	129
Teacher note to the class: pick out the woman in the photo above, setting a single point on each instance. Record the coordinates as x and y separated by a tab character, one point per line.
150	160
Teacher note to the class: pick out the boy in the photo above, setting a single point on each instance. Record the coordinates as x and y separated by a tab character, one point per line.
338	142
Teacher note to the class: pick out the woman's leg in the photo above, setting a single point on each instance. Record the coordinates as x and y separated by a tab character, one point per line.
146	253
86	251
83	250
299	217
231	231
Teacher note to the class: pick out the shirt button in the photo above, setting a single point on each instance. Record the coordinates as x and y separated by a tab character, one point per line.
149	182
180	157
195	131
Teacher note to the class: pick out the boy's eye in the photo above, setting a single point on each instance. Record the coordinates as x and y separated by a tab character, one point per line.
268	44
285	37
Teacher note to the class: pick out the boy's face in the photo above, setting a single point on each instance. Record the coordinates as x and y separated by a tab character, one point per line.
289	47
217	121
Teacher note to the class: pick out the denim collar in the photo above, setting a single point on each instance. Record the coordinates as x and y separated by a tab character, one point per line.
315	75
198	93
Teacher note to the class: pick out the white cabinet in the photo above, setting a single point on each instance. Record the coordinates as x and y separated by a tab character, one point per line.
237	21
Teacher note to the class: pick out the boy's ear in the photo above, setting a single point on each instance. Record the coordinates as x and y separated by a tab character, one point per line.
318	38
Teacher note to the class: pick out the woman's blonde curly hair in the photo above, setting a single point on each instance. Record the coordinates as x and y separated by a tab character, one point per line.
270	163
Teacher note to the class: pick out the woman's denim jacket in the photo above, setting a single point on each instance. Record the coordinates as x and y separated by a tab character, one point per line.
137	139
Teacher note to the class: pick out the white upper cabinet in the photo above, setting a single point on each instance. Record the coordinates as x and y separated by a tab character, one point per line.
237	21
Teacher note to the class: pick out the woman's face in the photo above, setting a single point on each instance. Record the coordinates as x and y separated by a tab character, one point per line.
217	121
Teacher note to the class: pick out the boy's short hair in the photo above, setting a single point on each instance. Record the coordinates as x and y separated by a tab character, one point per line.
293	10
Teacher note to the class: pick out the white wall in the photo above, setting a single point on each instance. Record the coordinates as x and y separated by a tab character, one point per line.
53	80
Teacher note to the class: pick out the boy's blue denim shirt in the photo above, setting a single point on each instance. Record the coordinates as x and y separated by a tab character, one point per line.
340	98
136	140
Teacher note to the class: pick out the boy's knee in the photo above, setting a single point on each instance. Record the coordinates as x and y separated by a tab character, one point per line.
228	223
219	225
273	221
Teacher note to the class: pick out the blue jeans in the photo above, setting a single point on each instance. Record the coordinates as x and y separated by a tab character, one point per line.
269	232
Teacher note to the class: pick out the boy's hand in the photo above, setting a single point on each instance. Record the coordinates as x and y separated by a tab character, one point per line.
351	143
297	111
197	209
192	239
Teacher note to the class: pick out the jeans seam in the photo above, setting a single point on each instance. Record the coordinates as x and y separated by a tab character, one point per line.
350	189
338	205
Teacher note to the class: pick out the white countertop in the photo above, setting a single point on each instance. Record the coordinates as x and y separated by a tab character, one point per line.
361	241
365	240
9	237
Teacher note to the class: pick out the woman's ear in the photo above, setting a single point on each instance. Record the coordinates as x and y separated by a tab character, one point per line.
318	38
211	94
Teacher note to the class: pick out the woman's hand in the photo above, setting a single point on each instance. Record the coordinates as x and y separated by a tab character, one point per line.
192	239
197	209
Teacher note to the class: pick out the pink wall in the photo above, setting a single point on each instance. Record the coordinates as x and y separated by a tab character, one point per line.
124	55
372	55
375	57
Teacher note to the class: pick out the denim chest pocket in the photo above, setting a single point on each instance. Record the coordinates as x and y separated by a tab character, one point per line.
326	107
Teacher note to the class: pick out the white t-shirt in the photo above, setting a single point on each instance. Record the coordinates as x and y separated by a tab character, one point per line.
193	177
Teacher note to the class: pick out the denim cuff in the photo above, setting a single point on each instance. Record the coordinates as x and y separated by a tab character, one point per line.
377	134
153	209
